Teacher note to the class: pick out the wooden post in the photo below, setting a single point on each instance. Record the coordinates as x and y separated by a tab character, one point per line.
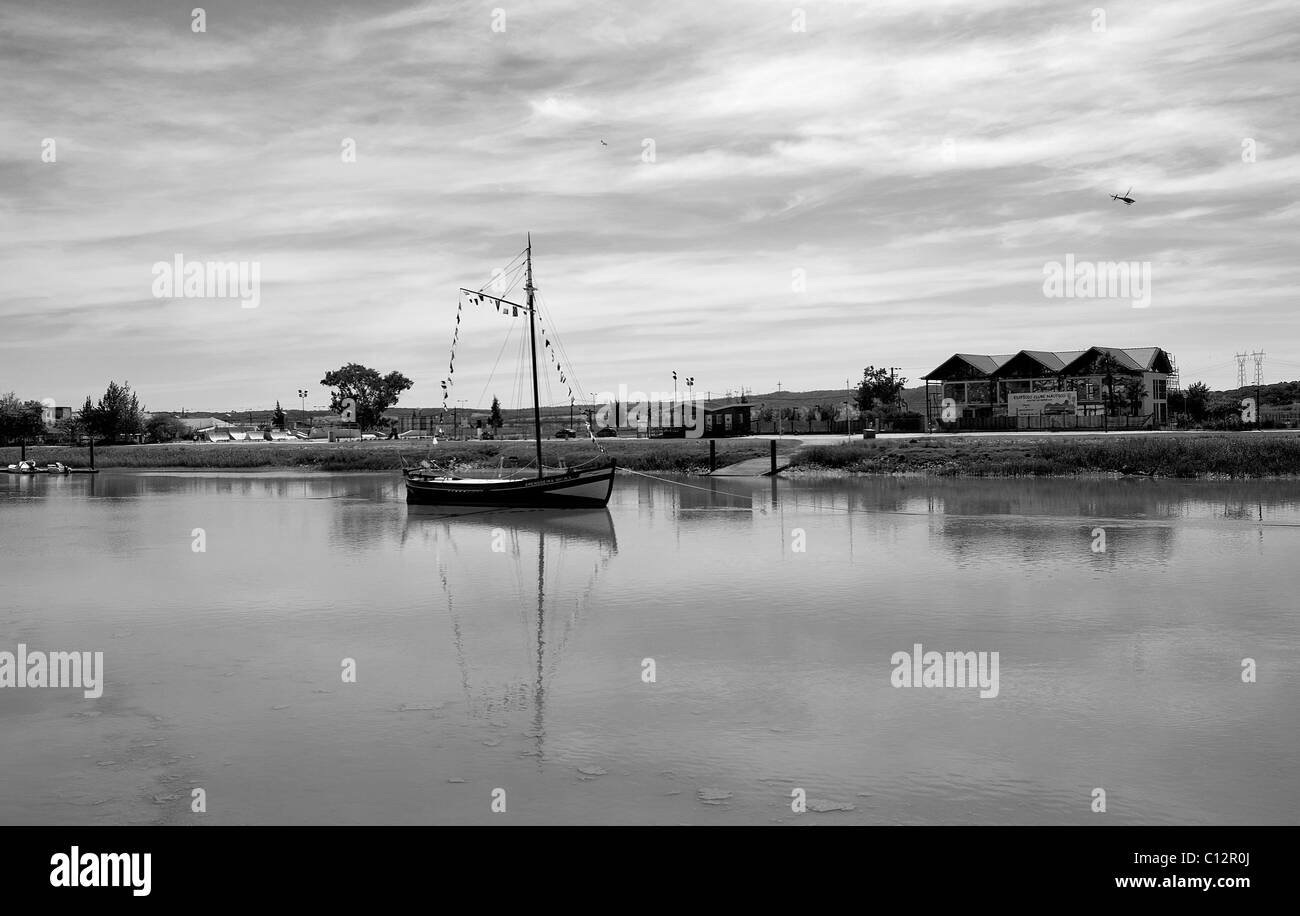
92	451
22	451
773	442
713	455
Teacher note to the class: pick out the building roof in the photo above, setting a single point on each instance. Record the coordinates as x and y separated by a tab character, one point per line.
1056	360
1133	359
986	365
197	423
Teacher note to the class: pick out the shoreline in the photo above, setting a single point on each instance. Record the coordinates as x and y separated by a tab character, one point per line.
1194	455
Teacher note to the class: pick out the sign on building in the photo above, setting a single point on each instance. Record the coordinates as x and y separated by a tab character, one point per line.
1043	403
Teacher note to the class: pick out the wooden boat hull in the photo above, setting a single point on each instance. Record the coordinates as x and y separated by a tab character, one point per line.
569	490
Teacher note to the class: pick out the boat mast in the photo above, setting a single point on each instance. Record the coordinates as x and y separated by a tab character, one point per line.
532	351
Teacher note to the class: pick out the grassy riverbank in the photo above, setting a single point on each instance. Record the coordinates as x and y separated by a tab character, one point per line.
1172	455
672	455
1238	455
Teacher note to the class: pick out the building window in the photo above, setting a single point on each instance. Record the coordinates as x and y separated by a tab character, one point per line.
727	420
1160	389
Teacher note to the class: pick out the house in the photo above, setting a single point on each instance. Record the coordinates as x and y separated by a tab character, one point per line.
51	415
204	427
731	420
1041	388
196	424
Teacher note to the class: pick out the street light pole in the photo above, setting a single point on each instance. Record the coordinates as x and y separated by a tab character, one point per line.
848	422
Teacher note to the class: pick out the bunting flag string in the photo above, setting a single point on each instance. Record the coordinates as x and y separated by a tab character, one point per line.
499	306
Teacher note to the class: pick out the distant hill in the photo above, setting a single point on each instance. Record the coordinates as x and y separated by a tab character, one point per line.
1278	393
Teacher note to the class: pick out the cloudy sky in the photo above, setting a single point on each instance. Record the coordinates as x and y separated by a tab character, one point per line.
880	183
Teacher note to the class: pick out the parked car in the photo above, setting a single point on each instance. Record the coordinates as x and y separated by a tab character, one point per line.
606	432
565	434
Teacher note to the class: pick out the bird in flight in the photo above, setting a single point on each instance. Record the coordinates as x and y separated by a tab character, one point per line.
1128	201
603	143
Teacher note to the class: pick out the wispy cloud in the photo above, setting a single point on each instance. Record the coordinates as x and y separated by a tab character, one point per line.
915	162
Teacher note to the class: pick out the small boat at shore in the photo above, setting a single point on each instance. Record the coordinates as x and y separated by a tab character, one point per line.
563	488
54	467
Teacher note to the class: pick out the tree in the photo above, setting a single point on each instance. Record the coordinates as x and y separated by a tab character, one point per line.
1135	390
878	385
1106	365
278	419
67	430
165	429
372	393
20	419
1198	395
117	414
496	421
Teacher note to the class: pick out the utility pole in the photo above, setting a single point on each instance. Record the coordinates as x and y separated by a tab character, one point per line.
1241	369
672	405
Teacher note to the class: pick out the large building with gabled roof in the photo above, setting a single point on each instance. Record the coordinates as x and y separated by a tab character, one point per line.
981	389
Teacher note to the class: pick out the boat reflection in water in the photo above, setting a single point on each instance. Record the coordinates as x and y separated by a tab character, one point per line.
507	573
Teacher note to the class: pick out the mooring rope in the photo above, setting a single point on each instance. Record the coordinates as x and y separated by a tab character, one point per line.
678	483
794	499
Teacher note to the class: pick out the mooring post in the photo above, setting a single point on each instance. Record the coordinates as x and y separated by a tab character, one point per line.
22	451
92	451
713	455
773	441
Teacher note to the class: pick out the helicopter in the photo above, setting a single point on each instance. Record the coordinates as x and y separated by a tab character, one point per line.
1128	201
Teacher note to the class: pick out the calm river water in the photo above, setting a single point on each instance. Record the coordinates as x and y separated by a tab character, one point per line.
686	657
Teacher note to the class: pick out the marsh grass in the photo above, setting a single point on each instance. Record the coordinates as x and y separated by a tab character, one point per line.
1237	455
668	455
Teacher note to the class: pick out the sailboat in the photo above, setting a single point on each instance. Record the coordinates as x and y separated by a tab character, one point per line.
565	488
